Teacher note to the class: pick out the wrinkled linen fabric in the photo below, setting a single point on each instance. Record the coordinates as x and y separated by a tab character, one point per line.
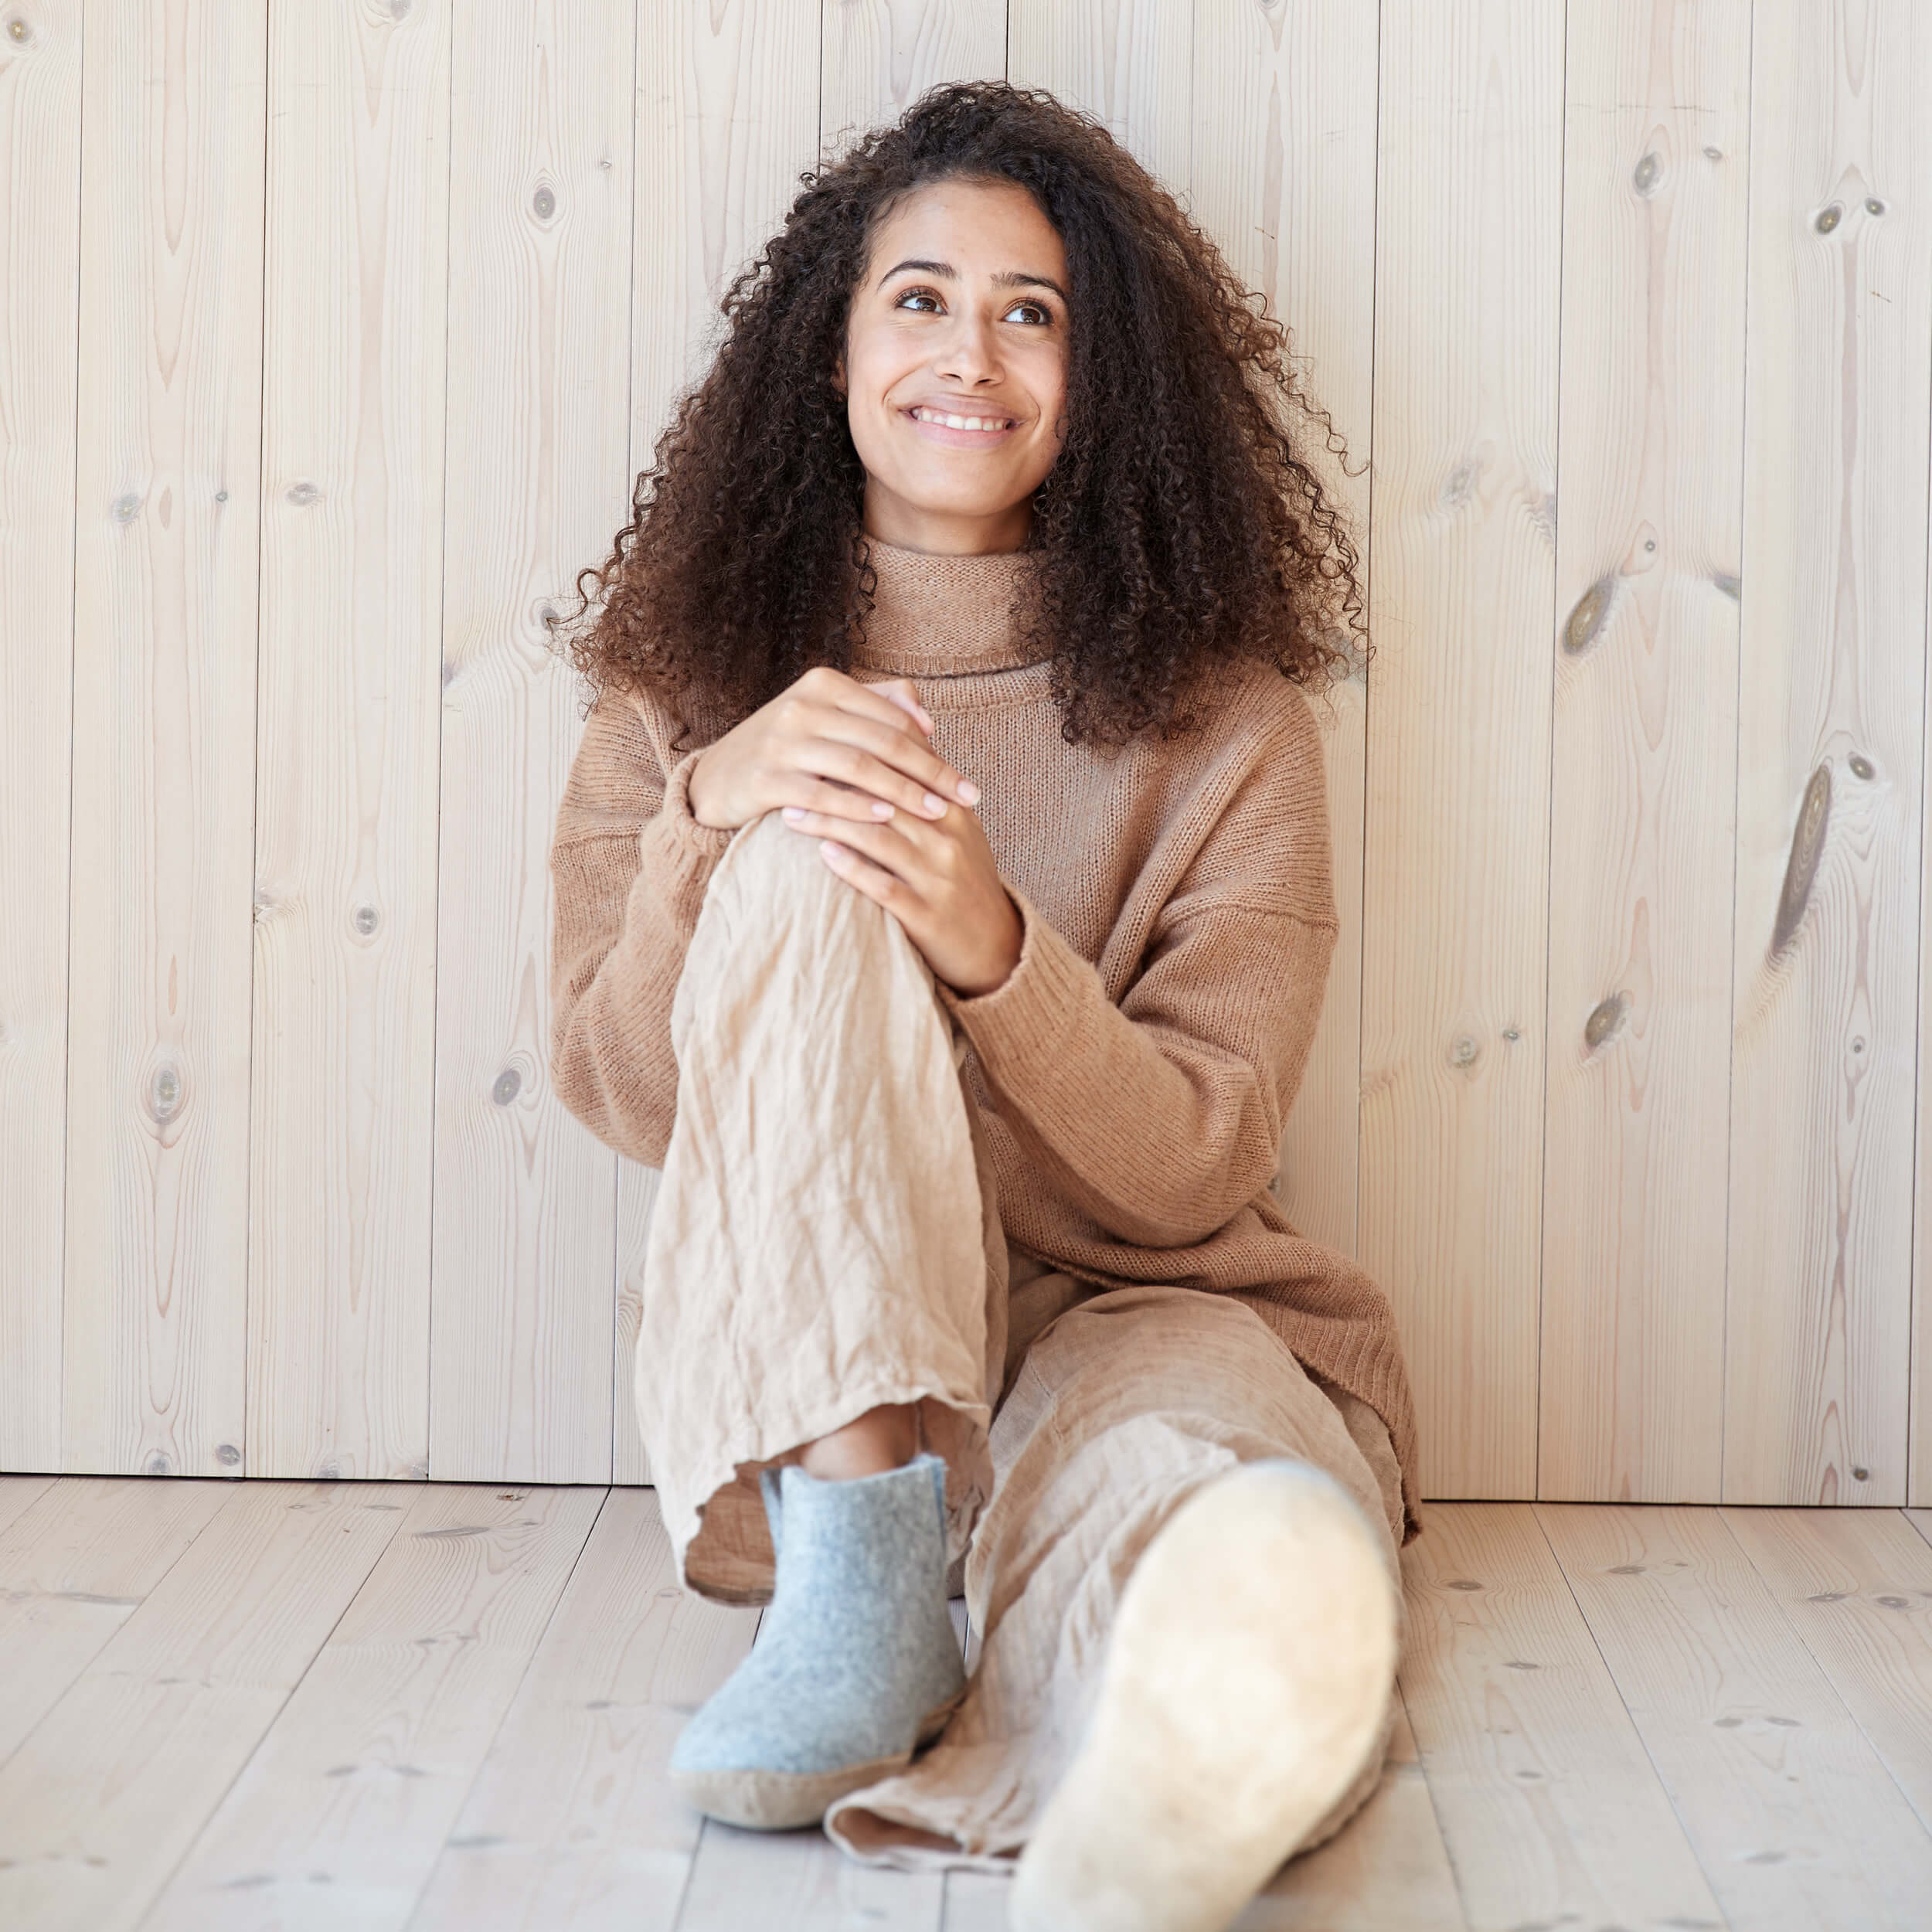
827	1238
1132	1075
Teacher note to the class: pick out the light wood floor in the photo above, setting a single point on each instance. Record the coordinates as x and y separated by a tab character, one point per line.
288	1705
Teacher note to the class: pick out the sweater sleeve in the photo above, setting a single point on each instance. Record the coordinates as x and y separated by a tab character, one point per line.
629	865
1161	1117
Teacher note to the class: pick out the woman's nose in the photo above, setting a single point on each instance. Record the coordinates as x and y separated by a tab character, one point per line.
969	352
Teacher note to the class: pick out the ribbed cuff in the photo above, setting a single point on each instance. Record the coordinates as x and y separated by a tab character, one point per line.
677	853
1026	1019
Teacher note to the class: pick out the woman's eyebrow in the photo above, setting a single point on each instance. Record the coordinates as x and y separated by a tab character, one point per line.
1012	278
1007	278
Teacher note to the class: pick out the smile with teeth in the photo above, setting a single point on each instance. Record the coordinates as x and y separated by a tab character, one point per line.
988	424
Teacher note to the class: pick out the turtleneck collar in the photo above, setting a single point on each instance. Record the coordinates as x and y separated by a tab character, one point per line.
940	616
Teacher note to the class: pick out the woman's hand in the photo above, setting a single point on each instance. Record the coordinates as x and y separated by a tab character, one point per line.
850	764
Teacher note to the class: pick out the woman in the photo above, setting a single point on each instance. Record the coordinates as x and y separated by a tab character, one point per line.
943	901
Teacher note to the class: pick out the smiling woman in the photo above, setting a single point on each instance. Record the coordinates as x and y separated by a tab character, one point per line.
956	347
967	1096
994	255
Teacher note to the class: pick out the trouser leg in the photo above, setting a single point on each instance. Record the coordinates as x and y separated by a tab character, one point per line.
1128	1405
825	1239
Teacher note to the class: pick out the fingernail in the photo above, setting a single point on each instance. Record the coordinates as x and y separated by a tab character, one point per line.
934	804
969	791
794	813
830	849
880	809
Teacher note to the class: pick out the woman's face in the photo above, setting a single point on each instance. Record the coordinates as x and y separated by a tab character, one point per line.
962	314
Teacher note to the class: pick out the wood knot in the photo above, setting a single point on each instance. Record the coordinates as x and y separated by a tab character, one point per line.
1605	1018
1800	869
1586	621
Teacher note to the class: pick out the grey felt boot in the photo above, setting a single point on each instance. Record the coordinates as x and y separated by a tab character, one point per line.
856	1664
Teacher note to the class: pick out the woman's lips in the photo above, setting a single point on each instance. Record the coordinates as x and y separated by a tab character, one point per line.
965	439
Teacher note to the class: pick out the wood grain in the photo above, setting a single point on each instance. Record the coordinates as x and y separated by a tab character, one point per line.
1839	385
975	1901
163	832
1283	168
1130	63
1644	737
1455	910
74	1569
40	89
339	1815
879	57
1387	1868
1856	1586
350	689
1790	1816
18	1495
572	1822
1547	1802
801	1881
100	1804
523	1281
724	130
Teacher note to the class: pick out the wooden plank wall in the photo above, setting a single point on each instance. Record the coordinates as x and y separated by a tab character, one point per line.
331	340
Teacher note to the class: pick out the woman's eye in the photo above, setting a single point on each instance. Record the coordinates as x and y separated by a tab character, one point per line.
916	295
1034	309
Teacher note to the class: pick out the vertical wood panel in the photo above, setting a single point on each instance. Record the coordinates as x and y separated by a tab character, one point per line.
1643	769
350	691
1284	179
1830	754
724	127
522	1290
39	277
1919	1484
880	56
170	451
1128	61
1453	938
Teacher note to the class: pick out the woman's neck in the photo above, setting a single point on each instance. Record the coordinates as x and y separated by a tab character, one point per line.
910	526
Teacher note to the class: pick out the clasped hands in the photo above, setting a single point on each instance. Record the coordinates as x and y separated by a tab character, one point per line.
852	764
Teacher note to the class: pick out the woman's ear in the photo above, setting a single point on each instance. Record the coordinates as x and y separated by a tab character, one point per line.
839	375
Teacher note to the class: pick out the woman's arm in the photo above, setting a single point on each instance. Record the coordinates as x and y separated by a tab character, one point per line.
629	864
1160	1118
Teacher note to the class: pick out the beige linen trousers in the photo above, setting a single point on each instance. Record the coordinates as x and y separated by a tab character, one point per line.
826	1239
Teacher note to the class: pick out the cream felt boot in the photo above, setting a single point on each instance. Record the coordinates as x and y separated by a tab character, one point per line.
1250	1669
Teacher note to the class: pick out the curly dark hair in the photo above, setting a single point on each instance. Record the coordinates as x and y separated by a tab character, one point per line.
1180	528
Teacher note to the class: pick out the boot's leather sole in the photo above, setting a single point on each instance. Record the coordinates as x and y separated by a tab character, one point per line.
783	1800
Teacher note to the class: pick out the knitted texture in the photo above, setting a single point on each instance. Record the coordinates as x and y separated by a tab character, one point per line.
1133	1071
857	1650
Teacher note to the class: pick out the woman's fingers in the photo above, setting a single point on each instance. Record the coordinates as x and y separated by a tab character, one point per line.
839	757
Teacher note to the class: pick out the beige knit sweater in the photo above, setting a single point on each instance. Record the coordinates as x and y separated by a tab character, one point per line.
1136	1067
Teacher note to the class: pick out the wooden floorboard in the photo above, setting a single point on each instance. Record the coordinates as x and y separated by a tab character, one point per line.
1856	1586
1797	1824
355	1705
800	1881
99	1804
1388	1872
572	1825
17	1493
340	1815
74	1567
1549	1806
